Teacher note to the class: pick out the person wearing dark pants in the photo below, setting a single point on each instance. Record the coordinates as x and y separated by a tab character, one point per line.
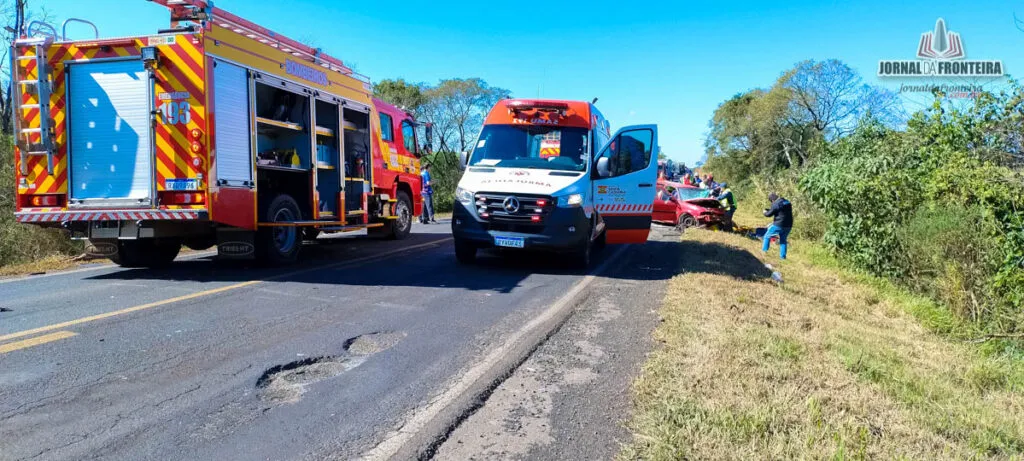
782	212
428	196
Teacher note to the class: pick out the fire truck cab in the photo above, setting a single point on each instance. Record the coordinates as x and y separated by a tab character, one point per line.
550	175
214	132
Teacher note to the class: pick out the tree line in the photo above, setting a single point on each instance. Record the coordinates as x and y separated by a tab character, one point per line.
455	109
931	200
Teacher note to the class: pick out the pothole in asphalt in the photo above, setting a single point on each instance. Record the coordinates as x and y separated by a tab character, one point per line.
373	343
286	383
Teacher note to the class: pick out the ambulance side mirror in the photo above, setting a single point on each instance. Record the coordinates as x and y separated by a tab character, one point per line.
602	167
463	159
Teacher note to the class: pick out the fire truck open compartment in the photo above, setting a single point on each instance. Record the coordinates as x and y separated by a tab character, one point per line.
284	146
328	157
357	157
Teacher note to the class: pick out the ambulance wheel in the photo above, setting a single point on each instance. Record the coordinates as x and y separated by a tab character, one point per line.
582	256
401	226
465	253
279	245
152	253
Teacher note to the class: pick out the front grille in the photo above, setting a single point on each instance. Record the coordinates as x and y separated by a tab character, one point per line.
499	218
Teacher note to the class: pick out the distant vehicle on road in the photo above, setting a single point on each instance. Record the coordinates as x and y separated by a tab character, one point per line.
212	132
550	175
680	205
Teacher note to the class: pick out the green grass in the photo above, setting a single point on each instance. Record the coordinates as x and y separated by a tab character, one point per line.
831	364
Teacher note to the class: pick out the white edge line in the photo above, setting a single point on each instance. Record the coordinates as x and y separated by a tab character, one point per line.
396	441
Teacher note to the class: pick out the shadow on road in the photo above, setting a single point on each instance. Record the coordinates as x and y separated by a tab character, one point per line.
502	271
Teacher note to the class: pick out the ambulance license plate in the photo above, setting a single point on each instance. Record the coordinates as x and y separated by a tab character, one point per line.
510	242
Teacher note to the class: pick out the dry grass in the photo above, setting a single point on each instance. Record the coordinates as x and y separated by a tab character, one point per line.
43	265
824	366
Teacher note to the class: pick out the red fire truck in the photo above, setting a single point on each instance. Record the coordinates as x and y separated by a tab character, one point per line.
213	132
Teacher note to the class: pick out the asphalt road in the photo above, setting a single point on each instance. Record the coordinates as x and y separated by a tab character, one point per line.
207	360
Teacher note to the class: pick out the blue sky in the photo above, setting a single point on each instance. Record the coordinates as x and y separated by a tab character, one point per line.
669	63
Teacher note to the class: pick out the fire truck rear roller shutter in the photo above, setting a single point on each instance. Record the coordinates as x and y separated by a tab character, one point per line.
232	117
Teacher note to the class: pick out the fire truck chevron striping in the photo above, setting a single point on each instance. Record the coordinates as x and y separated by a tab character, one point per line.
214	130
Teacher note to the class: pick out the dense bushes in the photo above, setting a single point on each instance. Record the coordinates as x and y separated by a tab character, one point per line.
935	206
20	243
933	203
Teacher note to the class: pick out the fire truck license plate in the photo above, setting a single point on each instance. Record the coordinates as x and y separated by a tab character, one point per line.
181	184
509	242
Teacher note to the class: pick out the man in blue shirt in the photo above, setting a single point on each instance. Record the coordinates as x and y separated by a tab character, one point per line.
782	212
428	196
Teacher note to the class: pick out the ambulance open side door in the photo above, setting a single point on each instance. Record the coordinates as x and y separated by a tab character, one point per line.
625	174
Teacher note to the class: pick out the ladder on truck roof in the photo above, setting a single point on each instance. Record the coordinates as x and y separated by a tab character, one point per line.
25	114
203	10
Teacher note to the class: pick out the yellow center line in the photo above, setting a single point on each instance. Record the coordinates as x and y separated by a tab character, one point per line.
106	315
5	348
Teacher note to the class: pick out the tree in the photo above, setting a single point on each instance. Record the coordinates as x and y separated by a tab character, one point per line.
408	96
456	107
831	97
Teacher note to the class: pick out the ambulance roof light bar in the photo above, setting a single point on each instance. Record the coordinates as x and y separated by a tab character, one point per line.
544	106
188	9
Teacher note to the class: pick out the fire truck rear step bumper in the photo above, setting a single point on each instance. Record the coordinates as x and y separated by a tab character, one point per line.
120	215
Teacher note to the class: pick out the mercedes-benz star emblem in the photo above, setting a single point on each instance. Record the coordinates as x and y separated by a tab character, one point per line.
511	205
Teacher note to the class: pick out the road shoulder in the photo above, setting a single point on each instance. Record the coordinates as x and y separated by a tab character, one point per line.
569	399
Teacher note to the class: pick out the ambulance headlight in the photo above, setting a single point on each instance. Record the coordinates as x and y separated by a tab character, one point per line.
464	196
573	200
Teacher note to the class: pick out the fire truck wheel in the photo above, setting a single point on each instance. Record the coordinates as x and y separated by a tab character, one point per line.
280	245
400	227
200	243
146	253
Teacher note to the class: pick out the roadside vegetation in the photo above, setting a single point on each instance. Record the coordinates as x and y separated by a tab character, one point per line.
831	363
931	201
455	108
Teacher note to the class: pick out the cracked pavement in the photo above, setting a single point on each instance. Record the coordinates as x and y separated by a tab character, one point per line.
178	381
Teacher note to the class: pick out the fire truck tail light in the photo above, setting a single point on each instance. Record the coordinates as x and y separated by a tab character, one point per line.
181	198
196	147
196	134
43	200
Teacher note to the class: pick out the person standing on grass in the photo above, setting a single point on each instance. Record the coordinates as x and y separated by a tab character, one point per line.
782	212
428	196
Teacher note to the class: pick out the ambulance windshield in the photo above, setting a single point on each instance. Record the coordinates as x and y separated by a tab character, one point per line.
532	146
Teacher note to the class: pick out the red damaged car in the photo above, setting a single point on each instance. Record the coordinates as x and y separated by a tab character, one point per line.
679	205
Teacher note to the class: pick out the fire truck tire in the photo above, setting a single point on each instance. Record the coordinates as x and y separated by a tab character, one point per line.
465	253
146	253
200	243
279	245
400	227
